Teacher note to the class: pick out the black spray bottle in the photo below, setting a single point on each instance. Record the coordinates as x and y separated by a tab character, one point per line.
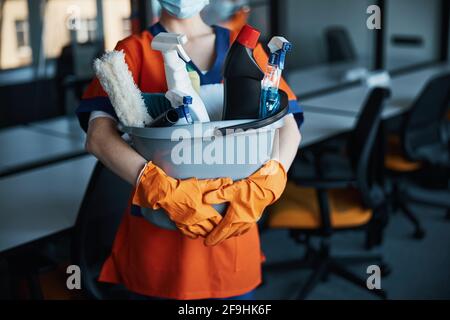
242	78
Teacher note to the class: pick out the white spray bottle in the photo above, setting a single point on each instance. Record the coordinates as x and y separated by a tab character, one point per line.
175	59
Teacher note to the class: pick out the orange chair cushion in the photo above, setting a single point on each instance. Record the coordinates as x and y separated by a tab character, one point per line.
395	159
298	208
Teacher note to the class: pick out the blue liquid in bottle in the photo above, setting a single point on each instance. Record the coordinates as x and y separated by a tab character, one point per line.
270	102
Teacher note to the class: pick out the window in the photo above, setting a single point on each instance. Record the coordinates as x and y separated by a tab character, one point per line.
64	19
116	21
15	48
87	31
126	27
22	33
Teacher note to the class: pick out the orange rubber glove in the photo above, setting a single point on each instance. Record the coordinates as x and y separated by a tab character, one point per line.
248	198
181	199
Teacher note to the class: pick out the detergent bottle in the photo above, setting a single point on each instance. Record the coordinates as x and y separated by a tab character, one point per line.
242	78
183	101
270	101
175	60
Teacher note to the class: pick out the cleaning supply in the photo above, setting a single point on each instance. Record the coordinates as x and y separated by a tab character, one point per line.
182	102
212	96
175	59
126	98
182	200
184	110
270	101
166	119
156	104
195	78
242	78
248	198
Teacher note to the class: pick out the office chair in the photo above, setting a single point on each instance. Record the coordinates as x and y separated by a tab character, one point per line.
98	220
422	147
327	202
74	71
339	45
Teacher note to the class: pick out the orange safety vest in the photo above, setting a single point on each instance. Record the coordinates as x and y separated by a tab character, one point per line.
163	263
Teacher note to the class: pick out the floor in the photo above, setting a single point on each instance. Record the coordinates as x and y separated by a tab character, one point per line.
420	269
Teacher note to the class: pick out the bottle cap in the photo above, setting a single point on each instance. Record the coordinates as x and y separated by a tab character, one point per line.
248	37
187	100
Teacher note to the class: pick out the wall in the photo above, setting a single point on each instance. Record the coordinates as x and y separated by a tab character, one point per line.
306	21
412	18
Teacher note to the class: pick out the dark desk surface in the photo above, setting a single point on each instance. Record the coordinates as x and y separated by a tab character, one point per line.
23	148
320	126
42	202
319	78
405	89
61	126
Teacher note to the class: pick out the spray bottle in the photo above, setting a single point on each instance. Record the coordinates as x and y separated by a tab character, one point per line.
270	101
175	59
183	103
242	77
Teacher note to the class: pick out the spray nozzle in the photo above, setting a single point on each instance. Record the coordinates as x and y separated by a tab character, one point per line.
187	100
183	101
279	46
171	41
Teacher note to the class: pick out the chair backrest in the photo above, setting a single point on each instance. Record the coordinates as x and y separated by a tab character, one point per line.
364	146
98	220
339	45
425	123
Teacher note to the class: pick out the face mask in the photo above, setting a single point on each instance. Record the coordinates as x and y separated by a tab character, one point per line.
183	9
222	10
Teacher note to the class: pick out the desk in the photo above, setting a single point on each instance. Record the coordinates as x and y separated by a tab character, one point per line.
42	202
62	126
314	80
320	126
405	89
23	149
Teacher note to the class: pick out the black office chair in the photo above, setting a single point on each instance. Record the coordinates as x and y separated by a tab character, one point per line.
328	202
65	70
98	220
339	45
422	148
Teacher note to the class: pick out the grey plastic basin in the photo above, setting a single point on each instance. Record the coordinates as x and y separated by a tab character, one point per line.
199	151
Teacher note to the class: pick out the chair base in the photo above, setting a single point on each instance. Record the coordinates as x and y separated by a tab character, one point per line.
324	265
419	232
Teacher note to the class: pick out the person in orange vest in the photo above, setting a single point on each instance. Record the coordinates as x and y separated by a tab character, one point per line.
207	257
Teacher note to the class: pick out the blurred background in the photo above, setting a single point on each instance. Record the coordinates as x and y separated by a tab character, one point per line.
46	53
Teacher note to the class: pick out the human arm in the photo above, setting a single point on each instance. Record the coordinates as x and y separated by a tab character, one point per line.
105	143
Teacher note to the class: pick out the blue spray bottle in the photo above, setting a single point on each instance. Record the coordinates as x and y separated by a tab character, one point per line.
270	101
